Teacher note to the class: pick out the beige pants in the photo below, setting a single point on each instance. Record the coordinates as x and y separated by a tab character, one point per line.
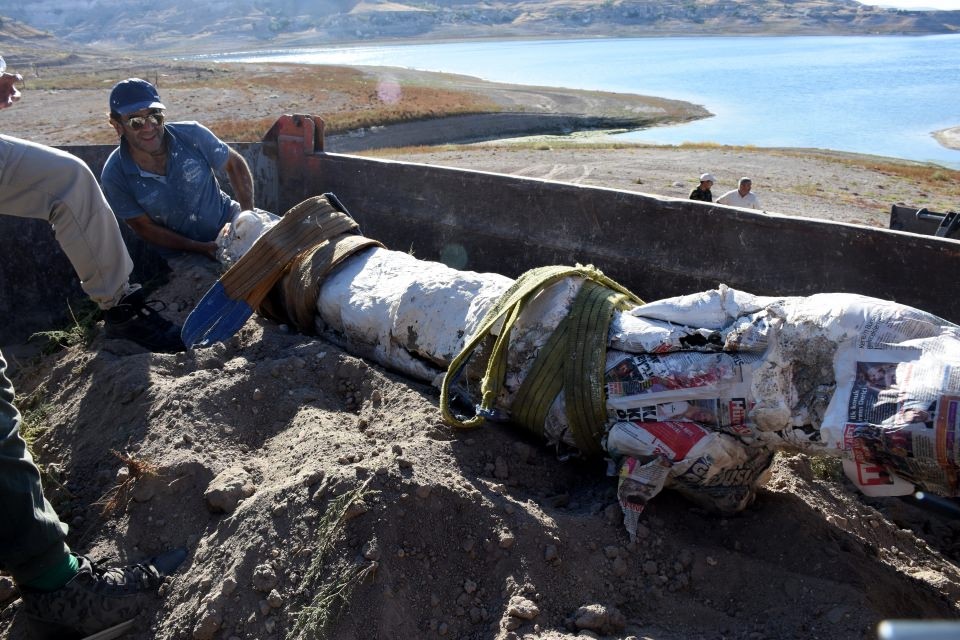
40	182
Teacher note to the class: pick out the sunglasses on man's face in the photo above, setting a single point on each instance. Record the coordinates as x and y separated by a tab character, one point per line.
139	122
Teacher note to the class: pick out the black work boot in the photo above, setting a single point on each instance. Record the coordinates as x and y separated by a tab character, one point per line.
98	603
133	319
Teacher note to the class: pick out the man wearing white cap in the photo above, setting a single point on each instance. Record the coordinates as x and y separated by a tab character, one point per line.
702	192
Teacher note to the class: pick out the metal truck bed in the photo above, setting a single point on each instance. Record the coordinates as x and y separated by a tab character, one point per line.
942	225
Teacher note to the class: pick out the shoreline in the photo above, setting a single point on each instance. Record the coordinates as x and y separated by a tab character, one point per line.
59	108
522	110
949	138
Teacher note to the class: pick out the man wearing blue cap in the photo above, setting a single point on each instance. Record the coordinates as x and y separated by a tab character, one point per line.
161	178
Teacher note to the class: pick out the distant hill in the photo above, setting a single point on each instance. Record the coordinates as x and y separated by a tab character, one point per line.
13	32
215	25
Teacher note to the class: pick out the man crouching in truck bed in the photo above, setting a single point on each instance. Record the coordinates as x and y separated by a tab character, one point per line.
160	180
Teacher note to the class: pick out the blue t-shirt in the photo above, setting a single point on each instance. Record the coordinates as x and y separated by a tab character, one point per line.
188	199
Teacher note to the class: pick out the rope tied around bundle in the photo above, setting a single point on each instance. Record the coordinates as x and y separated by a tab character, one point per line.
309	241
572	360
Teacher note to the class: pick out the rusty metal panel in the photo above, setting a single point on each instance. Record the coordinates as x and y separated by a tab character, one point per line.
295	144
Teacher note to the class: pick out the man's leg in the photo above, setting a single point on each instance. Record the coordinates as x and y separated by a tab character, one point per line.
40	182
31	534
65	595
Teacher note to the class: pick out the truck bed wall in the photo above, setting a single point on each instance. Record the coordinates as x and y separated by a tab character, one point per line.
488	222
657	247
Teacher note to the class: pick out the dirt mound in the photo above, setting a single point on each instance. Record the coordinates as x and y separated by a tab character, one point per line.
320	496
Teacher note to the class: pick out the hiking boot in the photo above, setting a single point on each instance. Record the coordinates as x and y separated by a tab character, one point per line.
134	319
98	603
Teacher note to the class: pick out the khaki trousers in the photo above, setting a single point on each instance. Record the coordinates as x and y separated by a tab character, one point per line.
41	182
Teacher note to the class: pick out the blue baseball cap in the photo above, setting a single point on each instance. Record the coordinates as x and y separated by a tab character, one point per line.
134	94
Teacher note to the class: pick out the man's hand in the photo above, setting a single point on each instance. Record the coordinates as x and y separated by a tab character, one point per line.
161	236
209	249
8	92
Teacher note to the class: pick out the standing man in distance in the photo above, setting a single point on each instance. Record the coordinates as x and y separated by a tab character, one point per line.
702	191
741	196
161	179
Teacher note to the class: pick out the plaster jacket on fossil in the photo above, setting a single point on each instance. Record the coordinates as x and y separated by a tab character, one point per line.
696	393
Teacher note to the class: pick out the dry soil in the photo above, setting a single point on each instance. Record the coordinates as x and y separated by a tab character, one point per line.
300	476
304	480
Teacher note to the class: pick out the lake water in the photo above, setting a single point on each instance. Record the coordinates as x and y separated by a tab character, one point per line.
876	95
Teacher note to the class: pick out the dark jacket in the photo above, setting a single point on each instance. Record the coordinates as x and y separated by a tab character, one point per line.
704	195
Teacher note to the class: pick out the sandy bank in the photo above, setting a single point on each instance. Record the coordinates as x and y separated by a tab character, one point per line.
950	138
801	182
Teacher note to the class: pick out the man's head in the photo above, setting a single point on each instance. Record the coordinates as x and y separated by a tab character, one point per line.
706	180
136	114
744	186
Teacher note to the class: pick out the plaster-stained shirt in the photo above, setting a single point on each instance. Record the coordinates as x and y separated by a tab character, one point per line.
188	199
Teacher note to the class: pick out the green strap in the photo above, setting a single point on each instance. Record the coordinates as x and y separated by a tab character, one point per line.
572	361
543	383
584	388
510	305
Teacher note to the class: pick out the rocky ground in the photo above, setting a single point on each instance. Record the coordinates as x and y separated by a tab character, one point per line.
320	495
307	482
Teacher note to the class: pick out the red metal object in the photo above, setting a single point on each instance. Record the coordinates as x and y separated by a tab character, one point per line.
294	142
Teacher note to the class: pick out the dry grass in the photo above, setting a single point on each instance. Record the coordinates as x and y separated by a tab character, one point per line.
82	331
35	418
348	98
117	498
330	587
365	99
924	174
932	176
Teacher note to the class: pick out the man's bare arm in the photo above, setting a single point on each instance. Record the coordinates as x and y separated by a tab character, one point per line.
161	236
240	179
